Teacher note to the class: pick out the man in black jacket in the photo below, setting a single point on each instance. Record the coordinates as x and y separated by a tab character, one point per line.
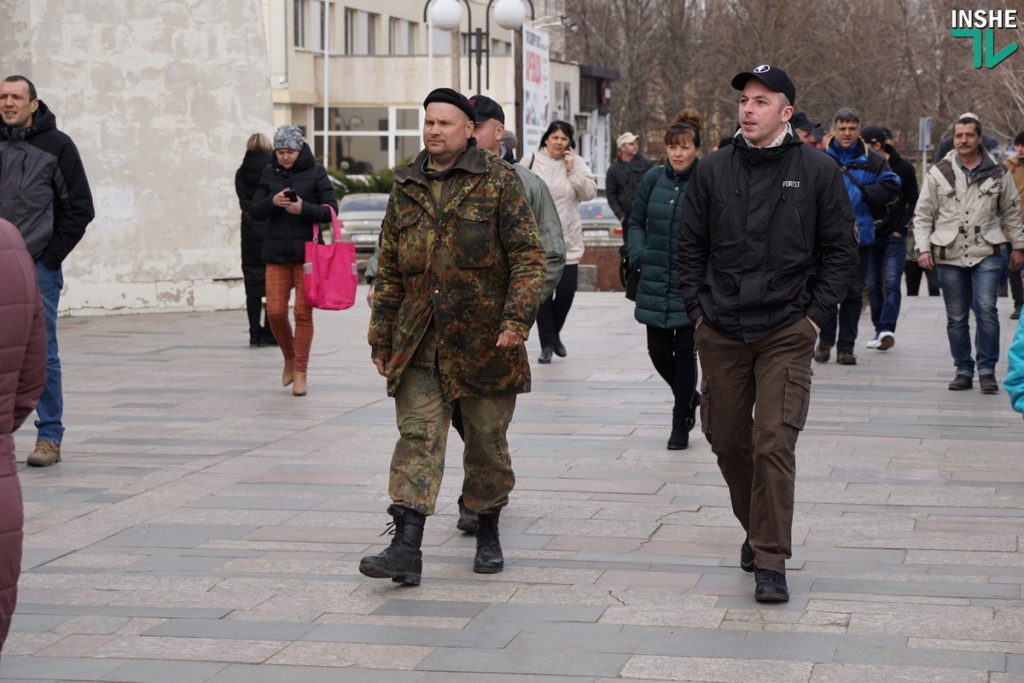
623	178
43	191
888	254
767	249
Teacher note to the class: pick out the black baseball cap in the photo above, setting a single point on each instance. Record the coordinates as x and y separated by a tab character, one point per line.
874	134
486	108
800	120
772	76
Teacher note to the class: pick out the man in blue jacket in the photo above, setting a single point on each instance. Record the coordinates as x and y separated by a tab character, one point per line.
43	191
873	189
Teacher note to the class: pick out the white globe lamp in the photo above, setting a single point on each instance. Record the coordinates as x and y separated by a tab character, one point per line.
446	14
510	14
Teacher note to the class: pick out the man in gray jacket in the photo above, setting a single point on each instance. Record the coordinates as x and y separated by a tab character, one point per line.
967	201
43	191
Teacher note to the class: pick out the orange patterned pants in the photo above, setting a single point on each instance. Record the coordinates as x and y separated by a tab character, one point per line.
281	279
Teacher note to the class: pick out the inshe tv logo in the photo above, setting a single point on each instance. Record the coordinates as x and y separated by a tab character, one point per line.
980	25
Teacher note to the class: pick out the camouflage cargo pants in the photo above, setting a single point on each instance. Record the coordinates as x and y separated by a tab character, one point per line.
417	463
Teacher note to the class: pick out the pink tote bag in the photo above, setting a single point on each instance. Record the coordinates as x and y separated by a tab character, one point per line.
329	274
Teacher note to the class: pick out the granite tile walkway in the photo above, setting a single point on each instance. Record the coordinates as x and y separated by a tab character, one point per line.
206	526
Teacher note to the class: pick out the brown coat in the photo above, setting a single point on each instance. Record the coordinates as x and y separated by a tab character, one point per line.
22	375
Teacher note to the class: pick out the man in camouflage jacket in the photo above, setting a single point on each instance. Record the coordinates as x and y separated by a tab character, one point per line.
457	289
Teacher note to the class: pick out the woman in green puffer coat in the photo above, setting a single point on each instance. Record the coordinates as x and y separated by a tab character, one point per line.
653	230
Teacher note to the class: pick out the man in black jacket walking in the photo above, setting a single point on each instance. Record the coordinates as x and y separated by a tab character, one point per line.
767	249
887	256
623	178
43	191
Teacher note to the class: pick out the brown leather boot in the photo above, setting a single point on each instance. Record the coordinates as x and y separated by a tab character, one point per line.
288	375
46	453
299	387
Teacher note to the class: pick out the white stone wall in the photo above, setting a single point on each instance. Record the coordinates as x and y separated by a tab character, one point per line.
160	97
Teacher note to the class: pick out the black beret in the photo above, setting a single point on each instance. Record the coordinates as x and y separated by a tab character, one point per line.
449	96
486	108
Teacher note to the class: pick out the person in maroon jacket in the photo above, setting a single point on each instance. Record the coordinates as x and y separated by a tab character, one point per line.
22	376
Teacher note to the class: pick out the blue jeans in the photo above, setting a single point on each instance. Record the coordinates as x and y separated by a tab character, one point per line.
963	290
885	270
50	409
849	310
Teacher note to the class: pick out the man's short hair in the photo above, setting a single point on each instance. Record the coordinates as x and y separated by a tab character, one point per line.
966	119
846	114
32	94
1019	140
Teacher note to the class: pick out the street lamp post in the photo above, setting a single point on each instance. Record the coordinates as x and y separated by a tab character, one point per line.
447	15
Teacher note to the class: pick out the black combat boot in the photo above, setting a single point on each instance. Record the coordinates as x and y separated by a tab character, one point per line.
489	559
467	519
402	561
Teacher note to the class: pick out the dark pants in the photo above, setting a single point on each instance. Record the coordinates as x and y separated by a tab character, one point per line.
553	312
885	269
753	405
913	273
849	310
1016	288
675	358
417	463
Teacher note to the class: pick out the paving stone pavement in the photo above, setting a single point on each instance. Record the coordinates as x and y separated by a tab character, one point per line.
206	526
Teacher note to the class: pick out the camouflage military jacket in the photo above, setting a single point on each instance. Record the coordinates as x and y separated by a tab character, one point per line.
473	267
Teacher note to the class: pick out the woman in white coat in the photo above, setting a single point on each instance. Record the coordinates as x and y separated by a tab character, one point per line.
570	181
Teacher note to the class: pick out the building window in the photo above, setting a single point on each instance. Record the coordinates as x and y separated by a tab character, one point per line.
401	37
300	22
360	32
318	27
368	139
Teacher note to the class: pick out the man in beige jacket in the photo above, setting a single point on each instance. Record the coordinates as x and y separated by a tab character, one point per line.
967	201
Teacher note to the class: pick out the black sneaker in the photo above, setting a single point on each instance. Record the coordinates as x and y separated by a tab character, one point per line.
846	358
746	557
1016	312
988	384
822	353
770	586
961	383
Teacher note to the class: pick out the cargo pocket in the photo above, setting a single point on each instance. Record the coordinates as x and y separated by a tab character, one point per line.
474	237
412	243
705	406
797	397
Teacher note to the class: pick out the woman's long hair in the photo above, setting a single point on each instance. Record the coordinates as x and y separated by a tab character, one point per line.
563	126
685	126
258	141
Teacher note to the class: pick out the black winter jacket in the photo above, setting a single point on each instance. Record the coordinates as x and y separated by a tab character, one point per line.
287	233
247	182
901	218
43	187
621	182
767	236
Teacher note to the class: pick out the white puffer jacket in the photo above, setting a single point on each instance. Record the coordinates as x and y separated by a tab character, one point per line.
568	189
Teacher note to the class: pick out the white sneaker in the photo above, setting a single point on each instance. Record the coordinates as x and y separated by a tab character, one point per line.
886	340
873	343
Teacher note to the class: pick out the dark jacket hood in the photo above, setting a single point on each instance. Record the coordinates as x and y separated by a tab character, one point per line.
256	160
304	162
42	120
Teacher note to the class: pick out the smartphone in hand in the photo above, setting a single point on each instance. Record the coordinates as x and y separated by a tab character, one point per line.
291	195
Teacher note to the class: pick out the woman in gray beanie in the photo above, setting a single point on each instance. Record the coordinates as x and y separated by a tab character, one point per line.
293	195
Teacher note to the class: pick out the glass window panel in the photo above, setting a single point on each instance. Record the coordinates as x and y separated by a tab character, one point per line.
407	119
406	148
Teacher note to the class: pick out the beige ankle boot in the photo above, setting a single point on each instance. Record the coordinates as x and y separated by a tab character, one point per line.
299	388
288	375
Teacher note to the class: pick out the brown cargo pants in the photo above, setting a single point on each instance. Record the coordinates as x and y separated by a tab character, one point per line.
754	400
417	463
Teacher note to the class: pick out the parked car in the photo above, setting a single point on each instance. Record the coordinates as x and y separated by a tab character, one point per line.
600	226
361	215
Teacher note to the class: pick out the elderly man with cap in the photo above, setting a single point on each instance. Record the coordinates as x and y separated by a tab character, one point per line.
624	176
767	248
805	129
887	256
489	134
458	285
